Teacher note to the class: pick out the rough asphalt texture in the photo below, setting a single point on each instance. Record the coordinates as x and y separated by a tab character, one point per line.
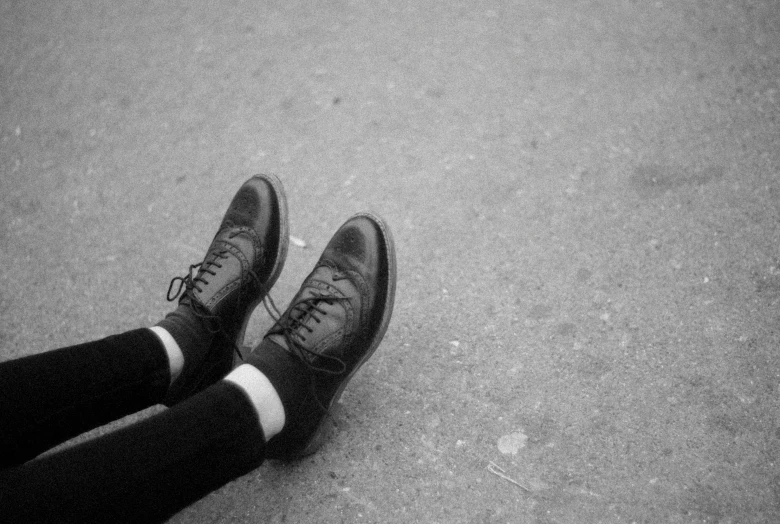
584	196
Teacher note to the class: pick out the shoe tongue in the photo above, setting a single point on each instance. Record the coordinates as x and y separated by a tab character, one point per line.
321	309
229	269
276	341
231	266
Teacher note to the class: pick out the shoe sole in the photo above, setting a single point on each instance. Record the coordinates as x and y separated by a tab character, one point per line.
318	437
281	250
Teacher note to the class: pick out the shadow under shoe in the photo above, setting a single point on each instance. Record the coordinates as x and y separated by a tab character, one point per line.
241	265
333	325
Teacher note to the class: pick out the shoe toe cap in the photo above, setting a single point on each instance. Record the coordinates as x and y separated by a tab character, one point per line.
260	205
361	245
255	205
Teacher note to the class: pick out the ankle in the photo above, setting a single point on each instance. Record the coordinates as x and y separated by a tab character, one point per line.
172	350
264	398
191	332
286	373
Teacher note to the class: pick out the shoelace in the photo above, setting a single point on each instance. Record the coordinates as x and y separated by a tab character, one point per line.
188	283
292	325
308	309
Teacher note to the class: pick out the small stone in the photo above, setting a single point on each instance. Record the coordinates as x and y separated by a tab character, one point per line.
510	444
298	242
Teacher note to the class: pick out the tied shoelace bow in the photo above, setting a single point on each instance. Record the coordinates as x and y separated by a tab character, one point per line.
188	283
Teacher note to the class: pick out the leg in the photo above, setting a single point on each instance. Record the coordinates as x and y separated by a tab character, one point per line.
333	325
144	472
243	262
48	398
150	470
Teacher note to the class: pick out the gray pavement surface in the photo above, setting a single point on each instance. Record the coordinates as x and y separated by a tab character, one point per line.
584	197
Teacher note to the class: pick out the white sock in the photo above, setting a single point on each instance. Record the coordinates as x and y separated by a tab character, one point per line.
263	395
175	356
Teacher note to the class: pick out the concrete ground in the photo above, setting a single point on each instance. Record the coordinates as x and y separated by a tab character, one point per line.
584	196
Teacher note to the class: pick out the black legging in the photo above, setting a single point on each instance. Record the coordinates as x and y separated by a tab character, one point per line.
140	473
